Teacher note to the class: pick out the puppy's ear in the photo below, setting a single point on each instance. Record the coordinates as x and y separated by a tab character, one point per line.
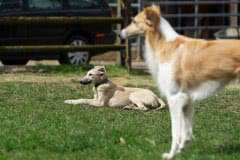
157	9
152	18
101	69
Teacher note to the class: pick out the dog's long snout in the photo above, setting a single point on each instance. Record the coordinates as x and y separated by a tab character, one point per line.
85	81
123	34
81	82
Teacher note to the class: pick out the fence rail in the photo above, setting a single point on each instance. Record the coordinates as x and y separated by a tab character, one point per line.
190	2
59	20
50	49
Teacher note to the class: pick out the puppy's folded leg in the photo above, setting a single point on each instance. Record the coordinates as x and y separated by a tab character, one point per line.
130	106
137	102
136	107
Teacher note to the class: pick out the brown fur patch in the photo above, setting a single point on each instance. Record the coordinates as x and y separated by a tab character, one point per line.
196	60
153	18
201	60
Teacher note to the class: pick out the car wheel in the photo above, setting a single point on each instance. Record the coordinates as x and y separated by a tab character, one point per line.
14	62
78	57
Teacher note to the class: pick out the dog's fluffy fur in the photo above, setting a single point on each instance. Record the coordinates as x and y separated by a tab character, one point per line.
107	93
185	69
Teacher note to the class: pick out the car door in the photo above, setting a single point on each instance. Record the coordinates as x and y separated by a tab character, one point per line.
11	34
43	34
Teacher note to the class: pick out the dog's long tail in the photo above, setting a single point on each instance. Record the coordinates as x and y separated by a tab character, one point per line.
162	103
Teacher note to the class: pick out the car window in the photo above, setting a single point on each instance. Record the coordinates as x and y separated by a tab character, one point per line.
84	3
45	4
10	5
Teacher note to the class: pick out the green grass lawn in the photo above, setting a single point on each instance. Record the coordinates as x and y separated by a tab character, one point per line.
36	124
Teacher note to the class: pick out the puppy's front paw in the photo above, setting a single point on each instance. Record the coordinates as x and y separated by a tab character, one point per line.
167	156
69	101
127	107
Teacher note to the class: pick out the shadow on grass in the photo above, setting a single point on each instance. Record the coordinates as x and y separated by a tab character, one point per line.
223	148
229	148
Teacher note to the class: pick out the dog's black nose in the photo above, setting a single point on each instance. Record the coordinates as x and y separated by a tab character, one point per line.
119	35
81	82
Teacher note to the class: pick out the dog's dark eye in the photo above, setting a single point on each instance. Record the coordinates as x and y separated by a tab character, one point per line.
90	74
133	20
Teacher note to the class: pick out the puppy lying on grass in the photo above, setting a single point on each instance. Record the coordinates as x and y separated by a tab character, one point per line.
106	93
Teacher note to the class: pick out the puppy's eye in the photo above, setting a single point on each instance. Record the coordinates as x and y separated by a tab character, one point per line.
133	20
90	74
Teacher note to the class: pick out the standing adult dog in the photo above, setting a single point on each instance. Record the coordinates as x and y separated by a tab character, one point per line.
185	69
107	93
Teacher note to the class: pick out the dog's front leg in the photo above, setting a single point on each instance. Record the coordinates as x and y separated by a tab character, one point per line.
92	102
176	106
95	93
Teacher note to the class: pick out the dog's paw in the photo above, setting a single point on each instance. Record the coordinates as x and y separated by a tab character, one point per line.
69	101
127	107
167	156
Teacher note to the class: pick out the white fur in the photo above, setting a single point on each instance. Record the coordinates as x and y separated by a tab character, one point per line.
123	34
167	30
162	73
205	90
166	82
151	62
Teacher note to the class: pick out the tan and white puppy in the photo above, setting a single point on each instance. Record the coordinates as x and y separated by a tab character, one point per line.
185	69
106	93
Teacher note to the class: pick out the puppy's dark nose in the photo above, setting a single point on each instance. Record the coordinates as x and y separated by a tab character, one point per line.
81	82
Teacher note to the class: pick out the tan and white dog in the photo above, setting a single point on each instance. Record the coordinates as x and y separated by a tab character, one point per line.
107	93
185	69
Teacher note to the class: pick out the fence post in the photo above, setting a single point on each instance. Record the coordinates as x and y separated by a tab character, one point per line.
119	30
233	10
128	55
139	39
128	58
196	8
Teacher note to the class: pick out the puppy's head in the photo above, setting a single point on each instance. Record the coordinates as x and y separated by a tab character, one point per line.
148	19
95	75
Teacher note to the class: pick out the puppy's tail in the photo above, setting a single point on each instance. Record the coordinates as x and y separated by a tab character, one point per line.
162	104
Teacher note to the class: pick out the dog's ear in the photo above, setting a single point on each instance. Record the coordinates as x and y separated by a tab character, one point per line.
152	17
157	9
101	69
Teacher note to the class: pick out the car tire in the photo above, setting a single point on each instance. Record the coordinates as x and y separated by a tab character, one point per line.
76	58
14	62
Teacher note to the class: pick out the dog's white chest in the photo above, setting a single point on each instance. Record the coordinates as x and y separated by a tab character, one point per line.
151	61
166	81
162	73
